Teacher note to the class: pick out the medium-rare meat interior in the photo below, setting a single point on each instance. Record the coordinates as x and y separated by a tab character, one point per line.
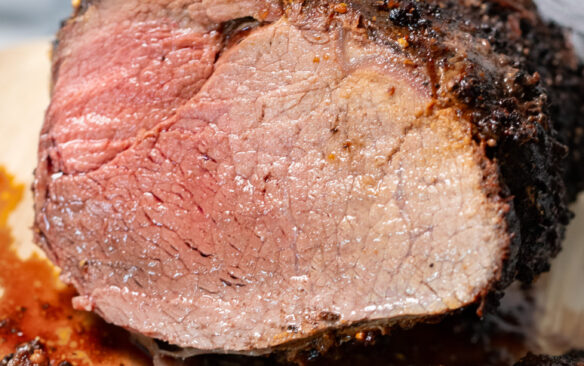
239	176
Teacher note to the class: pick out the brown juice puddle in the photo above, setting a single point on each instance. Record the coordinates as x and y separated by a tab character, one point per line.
36	304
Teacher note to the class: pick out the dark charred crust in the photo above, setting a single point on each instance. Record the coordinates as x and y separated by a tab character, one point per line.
29	353
83	6
517	113
77	10
516	80
572	358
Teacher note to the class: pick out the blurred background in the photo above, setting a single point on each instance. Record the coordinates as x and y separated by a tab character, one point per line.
569	13
22	20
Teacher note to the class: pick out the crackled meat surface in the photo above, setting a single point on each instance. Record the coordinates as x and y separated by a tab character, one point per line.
237	176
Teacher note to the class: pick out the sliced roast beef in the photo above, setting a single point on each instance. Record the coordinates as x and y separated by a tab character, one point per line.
237	176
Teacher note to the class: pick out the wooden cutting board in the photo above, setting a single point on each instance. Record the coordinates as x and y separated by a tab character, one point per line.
24	96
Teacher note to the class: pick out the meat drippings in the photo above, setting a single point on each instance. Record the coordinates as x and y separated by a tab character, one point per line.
34	304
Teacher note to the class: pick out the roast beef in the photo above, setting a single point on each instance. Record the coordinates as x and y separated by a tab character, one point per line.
242	176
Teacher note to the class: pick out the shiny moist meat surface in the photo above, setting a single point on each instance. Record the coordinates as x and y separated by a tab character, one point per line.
237	176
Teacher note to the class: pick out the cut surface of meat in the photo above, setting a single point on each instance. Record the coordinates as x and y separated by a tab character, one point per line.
237	176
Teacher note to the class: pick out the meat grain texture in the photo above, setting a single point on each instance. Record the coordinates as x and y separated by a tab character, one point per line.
242	176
